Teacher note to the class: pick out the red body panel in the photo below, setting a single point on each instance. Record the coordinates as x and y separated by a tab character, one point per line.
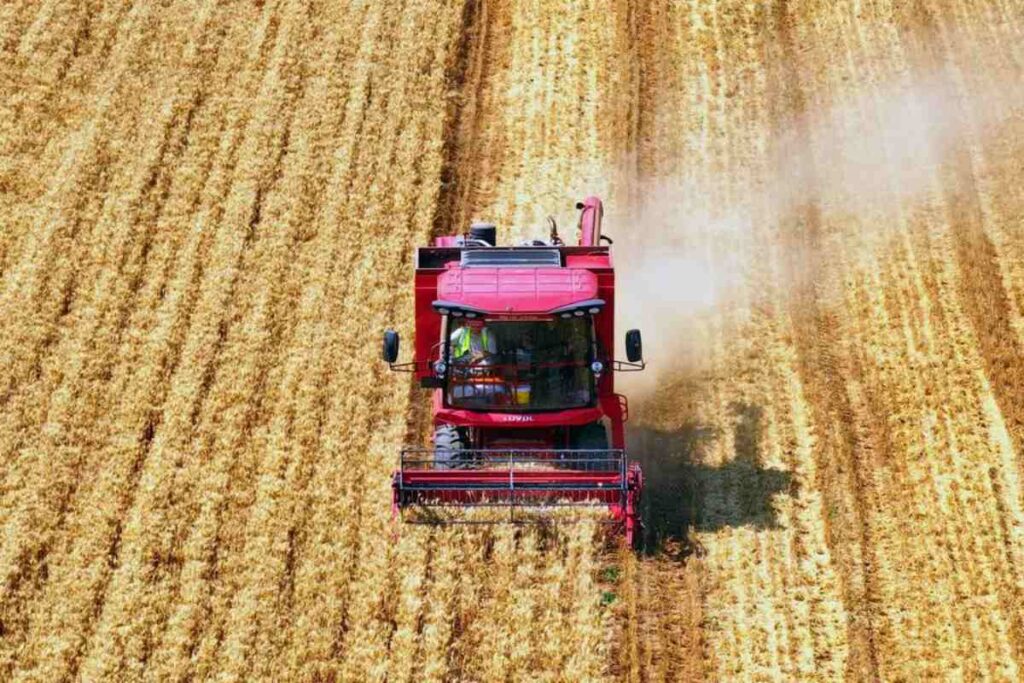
516	290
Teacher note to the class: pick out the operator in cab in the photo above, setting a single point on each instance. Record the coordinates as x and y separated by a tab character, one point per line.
472	343
473	349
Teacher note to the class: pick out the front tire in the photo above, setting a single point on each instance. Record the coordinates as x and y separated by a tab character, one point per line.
449	445
591	437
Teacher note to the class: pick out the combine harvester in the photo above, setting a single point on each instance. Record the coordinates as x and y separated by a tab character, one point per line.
517	345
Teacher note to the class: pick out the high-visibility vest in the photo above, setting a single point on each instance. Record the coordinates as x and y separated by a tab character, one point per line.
464	340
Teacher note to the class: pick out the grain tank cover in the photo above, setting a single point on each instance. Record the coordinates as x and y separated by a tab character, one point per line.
523	257
515	290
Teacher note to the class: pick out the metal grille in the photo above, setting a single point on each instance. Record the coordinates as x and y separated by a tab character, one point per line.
527	257
531	478
525	459
442	487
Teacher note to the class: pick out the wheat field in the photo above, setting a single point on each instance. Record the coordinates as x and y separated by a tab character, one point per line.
207	217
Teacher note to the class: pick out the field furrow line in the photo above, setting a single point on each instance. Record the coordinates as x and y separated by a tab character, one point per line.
39	119
289	439
330	547
201	529
47	12
899	404
366	279
145	604
37	291
409	610
179	301
161	253
438	629
838	450
986	300
143	425
526	652
63	410
15	17
207	214
58	31
131	258
125	449
974	455
47	102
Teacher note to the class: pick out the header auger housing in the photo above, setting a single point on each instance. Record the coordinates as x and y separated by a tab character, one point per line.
517	345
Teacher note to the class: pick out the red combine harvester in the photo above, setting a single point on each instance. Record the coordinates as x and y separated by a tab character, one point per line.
517	345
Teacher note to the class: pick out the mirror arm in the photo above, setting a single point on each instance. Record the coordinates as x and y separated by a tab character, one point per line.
411	366
627	366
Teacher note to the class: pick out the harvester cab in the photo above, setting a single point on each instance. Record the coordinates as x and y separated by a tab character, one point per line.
517	345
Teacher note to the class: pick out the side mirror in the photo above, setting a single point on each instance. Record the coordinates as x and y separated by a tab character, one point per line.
634	346
390	346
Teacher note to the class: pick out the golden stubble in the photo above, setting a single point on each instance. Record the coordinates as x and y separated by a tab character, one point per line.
207	215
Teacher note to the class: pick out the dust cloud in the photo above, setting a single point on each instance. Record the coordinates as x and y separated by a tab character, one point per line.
695	238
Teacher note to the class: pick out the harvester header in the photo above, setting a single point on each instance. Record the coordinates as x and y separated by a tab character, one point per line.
517	346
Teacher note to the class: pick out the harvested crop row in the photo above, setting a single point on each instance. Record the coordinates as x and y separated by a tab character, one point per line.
209	495
208	213
854	448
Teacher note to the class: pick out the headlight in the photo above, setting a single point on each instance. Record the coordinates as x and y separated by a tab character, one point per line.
597	367
439	368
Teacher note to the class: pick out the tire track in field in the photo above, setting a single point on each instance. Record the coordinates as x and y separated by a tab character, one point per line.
466	78
659	633
474	64
986	301
440	624
838	450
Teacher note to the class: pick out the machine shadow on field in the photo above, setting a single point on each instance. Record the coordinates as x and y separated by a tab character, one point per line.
681	493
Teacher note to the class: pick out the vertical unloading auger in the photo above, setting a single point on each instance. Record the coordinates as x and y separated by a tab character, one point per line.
516	344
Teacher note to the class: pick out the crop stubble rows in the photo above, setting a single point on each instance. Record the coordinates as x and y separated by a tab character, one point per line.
208	212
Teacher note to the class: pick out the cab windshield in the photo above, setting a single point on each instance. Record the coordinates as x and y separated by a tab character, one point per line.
520	365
